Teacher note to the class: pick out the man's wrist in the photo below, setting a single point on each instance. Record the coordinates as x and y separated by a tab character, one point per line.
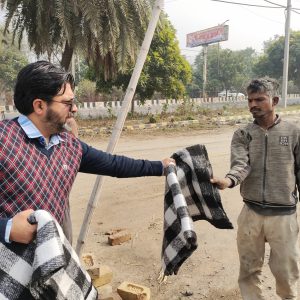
230	182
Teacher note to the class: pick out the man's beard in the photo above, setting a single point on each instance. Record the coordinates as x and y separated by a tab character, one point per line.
54	122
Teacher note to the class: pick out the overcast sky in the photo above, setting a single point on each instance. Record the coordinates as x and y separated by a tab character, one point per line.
248	26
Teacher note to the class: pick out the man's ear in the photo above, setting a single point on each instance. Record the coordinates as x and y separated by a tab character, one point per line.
275	100
39	106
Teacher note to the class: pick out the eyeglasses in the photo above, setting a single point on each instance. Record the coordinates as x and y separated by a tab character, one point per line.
67	103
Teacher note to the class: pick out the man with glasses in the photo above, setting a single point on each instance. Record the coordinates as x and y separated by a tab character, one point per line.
265	160
39	159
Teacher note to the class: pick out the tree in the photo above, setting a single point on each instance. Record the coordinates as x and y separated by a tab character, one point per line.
86	91
106	32
11	61
245	59
226	69
165	71
270	63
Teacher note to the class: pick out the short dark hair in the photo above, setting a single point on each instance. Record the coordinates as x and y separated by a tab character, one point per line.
264	85
39	80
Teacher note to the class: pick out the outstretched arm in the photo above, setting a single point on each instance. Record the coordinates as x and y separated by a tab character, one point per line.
240	166
240	163
101	163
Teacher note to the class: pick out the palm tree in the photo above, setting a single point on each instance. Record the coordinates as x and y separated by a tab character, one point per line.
106	32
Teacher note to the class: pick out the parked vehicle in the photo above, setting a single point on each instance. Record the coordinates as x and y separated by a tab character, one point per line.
231	94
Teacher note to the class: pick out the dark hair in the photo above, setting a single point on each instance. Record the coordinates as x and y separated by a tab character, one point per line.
264	85
39	80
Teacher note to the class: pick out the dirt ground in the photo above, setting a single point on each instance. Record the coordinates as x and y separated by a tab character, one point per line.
137	204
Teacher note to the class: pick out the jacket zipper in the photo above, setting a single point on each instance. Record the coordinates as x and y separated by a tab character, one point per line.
265	167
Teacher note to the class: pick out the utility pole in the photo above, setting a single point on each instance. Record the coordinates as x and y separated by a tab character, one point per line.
219	50
286	52
95	195
204	71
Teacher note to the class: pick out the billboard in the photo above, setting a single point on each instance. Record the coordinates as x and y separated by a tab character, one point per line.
207	36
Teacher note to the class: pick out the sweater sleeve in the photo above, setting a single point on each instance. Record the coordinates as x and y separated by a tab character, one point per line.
3	223
240	167
101	163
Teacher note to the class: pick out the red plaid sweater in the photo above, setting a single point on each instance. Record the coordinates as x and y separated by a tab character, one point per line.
32	179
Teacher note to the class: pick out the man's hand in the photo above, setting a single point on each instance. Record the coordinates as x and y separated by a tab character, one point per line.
166	162
221	183
22	231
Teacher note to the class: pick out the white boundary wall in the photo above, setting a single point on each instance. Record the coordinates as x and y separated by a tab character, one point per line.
104	109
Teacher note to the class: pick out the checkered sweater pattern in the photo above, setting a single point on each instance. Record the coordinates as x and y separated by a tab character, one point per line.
31	178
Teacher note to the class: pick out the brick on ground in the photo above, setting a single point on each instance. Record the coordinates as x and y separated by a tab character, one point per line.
105	276
88	260
119	237
90	265
132	291
114	231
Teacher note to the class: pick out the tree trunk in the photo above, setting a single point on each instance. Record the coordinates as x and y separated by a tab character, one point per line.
67	57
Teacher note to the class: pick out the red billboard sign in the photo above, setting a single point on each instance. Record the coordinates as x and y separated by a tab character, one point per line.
207	36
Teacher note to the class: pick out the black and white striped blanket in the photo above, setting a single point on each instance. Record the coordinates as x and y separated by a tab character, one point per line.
189	197
47	268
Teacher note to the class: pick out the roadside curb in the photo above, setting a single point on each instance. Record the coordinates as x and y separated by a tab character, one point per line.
141	126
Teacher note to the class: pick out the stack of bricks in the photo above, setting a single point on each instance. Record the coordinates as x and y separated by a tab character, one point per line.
101	276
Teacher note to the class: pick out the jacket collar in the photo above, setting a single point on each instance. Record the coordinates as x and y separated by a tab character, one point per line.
277	121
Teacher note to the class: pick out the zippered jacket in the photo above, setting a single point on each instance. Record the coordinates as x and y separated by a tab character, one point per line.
267	164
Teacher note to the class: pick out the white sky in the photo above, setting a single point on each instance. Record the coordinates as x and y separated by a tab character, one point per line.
248	26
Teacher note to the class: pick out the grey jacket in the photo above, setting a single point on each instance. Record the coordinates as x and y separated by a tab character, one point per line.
267	164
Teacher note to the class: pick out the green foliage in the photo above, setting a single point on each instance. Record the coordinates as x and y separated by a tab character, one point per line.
11	61
107	33
190	118
271	62
164	108
186	107
226	69
152	119
86	91
165	70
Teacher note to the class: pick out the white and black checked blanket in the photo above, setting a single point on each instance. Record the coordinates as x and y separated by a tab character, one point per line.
189	197
47	268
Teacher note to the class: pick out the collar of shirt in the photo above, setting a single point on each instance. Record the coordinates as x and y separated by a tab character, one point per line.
33	133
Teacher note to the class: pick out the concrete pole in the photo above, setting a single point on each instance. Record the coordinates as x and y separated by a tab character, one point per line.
204	71
73	67
286	52
78	67
158	6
